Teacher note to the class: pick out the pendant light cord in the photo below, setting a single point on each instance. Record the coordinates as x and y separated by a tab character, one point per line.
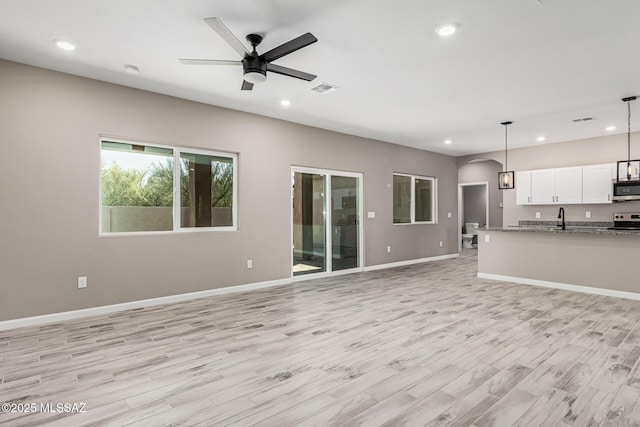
506	164
506	151
629	131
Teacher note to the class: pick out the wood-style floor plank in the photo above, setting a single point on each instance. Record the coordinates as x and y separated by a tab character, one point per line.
428	344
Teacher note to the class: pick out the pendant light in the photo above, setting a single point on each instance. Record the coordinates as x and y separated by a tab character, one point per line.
629	167
506	179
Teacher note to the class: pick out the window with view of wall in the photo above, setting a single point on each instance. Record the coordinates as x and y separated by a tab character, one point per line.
414	199
138	183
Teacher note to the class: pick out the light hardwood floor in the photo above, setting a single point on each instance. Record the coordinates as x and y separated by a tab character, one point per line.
428	344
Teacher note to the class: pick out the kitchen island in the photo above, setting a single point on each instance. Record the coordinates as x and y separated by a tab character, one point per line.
585	259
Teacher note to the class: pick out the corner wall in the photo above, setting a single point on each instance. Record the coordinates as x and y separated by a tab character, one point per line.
50	124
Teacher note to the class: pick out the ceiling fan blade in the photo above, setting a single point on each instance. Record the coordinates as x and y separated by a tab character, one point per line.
209	62
222	30
289	47
246	85
290	72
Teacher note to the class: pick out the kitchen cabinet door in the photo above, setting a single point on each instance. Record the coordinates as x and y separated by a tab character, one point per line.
543	186
523	188
569	185
597	183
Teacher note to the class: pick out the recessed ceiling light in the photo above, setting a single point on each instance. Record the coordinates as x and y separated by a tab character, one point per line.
610	128
131	69
448	141
64	45
541	139
285	103
447	29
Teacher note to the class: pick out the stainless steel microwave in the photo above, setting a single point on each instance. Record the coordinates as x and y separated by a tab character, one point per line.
623	191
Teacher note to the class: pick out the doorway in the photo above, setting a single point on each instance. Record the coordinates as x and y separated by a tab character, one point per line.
326	212
473	206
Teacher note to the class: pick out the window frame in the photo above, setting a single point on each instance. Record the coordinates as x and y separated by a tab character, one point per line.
412	208
176	209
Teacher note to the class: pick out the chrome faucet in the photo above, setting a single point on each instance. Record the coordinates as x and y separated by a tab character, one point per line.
561	215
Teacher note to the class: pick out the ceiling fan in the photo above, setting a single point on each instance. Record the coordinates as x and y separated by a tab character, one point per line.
255	66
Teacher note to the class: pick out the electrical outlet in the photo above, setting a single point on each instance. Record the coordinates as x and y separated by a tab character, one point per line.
440	243
587	214
388	248
82	282
487	238
249	263
371	214
538	215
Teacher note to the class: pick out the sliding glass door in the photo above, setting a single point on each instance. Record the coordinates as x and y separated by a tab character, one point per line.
345	222
309	225
326	226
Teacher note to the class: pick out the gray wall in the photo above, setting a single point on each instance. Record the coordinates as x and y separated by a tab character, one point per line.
594	260
592	151
485	172
50	124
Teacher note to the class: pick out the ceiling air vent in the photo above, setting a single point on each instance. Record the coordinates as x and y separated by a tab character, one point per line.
325	88
584	119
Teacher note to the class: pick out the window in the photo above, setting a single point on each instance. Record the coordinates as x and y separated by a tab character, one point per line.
140	191
414	199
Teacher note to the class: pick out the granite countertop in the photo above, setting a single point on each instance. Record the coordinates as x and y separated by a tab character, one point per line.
576	227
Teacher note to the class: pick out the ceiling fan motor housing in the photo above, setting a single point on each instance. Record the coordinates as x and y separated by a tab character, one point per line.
254	64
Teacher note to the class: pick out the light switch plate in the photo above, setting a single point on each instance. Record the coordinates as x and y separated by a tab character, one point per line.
487	238
371	214
448	214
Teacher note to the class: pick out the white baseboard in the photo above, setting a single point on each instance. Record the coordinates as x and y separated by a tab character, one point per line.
563	286
106	309
409	262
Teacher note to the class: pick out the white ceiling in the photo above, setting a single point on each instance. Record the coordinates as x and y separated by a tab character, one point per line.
540	65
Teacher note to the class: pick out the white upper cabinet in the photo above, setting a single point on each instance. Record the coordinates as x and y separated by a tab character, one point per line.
569	185
550	186
543	186
523	188
597	183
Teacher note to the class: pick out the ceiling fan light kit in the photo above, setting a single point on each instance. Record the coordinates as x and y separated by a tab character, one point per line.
255	70
255	66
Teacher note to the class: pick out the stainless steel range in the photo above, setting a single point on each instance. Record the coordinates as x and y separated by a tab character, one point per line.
626	221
